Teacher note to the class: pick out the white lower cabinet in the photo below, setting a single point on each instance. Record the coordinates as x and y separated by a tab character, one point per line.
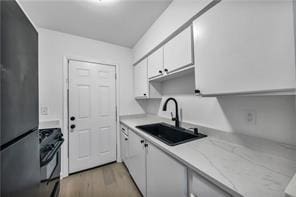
200	187
158	175
137	160
165	176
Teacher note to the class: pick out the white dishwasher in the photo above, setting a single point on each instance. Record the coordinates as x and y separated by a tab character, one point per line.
124	143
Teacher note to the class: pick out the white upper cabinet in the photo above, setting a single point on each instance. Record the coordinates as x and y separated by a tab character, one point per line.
245	47
141	86
178	52
155	63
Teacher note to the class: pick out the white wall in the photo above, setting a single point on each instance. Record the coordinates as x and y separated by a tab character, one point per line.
53	47
275	115
177	13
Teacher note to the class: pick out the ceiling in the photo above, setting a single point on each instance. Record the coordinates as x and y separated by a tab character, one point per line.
121	22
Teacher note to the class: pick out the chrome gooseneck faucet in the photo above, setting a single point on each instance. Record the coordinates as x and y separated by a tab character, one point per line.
176	118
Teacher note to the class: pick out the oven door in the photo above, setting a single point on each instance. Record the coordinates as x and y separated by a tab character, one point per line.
50	176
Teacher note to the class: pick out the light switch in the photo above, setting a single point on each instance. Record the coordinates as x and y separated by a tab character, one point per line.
44	110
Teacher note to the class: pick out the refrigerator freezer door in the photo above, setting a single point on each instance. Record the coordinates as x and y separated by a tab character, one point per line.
19	82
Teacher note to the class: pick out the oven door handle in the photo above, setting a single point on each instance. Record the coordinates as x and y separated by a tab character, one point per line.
52	153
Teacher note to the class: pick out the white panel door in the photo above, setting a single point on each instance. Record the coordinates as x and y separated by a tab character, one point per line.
178	52
92	105
141	88
245	46
155	63
165	176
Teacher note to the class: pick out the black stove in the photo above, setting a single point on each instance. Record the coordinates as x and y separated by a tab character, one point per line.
51	140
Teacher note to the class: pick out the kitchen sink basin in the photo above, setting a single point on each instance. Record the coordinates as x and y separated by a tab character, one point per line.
169	134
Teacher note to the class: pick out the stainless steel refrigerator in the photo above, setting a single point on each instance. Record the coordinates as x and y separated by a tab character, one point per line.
20	163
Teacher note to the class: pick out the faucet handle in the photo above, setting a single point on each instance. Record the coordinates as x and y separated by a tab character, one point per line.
173	118
195	130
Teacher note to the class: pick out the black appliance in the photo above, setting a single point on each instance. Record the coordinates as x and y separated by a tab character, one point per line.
20	163
51	141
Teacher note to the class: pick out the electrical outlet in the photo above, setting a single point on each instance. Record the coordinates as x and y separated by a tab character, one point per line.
250	117
44	110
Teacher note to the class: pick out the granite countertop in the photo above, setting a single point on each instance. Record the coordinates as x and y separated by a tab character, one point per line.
241	165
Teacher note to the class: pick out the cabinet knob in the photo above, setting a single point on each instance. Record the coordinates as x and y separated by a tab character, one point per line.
166	70
145	145
125	139
160	71
72	118
72	126
142	141
197	92
195	130
145	94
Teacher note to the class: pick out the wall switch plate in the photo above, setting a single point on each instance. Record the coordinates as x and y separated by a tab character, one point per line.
44	110
250	117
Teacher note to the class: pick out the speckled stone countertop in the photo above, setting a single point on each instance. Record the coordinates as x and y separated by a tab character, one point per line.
241	165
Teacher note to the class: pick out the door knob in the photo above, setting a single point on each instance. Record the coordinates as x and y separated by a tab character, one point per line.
72	118
72	126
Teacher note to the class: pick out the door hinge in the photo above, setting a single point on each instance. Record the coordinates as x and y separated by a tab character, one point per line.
115	76
67	82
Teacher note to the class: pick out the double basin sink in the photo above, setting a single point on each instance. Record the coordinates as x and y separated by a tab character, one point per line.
169	134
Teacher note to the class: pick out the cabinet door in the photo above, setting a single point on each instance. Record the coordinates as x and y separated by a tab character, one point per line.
165	176
141	80
137	160
178	52
245	47
155	63
200	187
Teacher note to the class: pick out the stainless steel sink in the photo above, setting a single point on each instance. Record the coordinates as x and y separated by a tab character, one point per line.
169	134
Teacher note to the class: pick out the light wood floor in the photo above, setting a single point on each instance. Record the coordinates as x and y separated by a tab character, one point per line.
107	181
